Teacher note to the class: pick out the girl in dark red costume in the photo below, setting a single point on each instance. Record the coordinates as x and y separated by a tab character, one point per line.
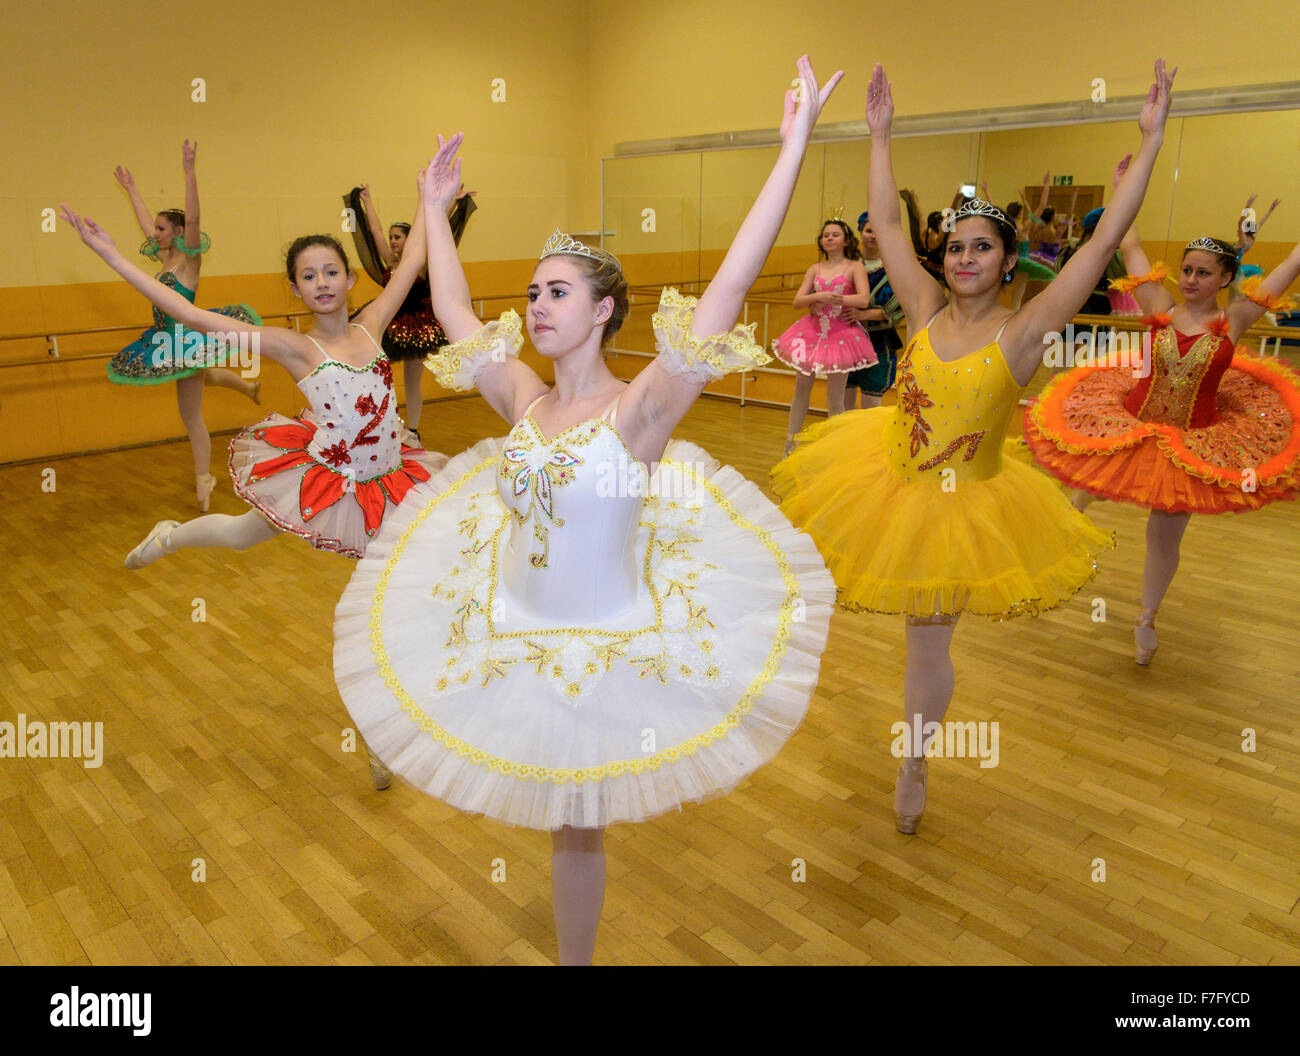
1208	429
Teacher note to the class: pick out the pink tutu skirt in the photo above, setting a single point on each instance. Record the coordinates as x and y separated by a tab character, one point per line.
275	473
824	344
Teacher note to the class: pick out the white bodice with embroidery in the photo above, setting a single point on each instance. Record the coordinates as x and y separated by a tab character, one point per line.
576	501
358	430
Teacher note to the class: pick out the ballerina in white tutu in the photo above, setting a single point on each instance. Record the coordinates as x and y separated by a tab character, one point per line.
549	632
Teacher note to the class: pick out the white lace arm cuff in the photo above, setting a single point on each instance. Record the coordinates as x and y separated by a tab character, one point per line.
457	365
705	358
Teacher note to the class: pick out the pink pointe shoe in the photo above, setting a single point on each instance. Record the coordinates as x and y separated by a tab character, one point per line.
909	795
156	544
380	776
203	486
1144	637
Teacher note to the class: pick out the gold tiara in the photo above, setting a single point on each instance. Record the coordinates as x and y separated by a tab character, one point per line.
561	244
979	207
838	215
1206	243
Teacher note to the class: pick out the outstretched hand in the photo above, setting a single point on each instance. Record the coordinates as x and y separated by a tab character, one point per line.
880	102
804	102
441	178
189	151
91	233
124	177
1155	111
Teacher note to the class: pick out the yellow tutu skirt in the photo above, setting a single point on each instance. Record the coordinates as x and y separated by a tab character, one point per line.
1008	546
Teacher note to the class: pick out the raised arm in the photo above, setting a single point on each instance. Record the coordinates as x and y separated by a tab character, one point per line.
507	384
720	304
291	350
377	232
189	154
918	293
380	312
662	393
142	215
1049	312
1267	296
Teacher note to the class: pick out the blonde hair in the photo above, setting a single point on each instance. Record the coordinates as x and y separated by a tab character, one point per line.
604	275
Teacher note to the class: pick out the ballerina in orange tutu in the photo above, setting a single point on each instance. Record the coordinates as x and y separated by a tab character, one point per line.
1210	428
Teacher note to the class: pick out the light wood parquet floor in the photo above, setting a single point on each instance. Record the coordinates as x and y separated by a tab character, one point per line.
223	742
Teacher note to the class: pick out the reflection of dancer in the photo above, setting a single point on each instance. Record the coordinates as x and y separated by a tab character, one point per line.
414	333
879	321
330	477
913	507
173	239
588	654
826	343
1205	431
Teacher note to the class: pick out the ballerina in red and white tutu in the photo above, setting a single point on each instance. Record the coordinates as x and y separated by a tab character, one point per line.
332	474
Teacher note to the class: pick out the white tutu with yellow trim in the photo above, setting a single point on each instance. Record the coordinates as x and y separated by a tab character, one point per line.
691	679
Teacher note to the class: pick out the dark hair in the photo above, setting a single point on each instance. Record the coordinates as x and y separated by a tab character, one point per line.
1048	213
933	221
306	242
850	240
1013	210
1225	254
604	275
406	228
1004	227
175	216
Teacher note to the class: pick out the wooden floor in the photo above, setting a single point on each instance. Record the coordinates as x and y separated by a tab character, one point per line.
223	743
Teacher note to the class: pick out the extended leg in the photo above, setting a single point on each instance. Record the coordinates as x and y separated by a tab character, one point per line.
927	691
803	384
228	379
1164	539
577	891
835	393
413	373
189	401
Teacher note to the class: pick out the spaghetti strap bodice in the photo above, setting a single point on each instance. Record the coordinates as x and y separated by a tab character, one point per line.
950	415
358	431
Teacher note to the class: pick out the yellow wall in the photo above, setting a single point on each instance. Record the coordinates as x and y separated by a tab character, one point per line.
303	101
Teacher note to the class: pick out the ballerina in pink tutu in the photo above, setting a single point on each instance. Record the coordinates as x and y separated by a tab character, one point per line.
827	343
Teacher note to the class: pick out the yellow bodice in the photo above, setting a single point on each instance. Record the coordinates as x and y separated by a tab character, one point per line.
950	415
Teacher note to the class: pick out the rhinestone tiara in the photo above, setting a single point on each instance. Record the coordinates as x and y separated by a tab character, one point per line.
561	244
1206	243
979	207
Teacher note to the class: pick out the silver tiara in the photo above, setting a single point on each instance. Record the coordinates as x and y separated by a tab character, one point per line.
1206	243
979	207
561	244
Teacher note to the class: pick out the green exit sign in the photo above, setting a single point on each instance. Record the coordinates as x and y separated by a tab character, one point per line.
1063	181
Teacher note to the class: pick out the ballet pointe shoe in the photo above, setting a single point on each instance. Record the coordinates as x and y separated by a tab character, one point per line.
255	393
1145	639
380	776
789	445
907	808
203	486
156	544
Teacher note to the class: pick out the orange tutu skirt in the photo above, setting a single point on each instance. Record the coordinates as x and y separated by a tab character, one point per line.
1080	431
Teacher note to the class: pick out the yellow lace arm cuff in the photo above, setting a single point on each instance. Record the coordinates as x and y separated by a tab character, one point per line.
1270	302
457	365
1129	283
705	358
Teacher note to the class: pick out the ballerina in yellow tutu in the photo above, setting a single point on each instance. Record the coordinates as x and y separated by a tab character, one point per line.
913	507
